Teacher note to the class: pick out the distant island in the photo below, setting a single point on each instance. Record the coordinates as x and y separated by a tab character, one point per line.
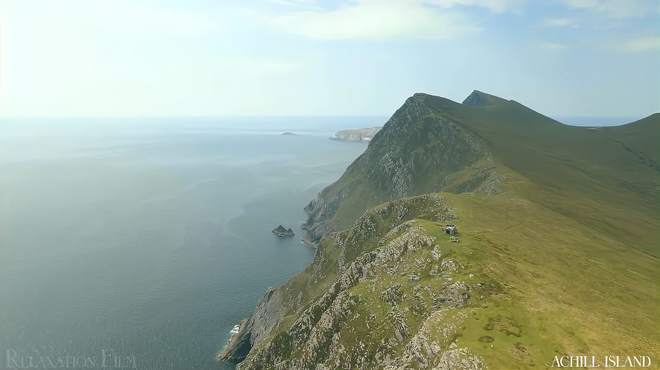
288	133
356	134
283	232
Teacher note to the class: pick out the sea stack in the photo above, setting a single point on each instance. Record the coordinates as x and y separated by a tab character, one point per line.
283	232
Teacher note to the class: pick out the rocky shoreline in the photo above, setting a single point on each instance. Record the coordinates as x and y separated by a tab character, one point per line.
263	319
230	352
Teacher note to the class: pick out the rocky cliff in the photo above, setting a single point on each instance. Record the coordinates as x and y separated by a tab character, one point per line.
399	290
424	147
391	273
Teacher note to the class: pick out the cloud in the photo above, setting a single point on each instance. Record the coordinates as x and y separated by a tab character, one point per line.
552	46
616	8
294	2
642	44
374	20
560	22
498	6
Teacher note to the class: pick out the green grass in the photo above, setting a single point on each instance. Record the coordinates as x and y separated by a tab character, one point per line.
577	289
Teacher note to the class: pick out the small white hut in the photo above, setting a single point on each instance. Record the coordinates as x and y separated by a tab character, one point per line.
451	229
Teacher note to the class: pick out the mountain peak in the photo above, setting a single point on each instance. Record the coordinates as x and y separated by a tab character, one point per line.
479	99
432	101
422	97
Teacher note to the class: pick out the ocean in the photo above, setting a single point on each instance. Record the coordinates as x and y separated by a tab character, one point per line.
139	243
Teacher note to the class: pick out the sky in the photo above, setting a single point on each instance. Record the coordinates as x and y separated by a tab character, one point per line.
108	58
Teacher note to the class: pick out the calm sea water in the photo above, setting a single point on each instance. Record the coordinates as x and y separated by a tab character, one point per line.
131	242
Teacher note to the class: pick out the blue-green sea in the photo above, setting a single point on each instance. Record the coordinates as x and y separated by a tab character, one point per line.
139	243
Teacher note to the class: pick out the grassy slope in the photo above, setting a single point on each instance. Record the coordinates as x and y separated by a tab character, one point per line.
571	288
577	238
602	177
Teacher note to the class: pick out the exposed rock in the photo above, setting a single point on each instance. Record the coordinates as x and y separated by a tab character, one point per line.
283	232
401	329
265	316
436	253
433	346
238	345
459	359
454	295
392	295
448	265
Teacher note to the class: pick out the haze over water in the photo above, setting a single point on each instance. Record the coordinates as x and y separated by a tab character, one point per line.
151	238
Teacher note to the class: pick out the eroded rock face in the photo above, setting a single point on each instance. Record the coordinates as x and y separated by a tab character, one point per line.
335	254
459	359
433	346
265	317
453	294
392	295
423	148
382	310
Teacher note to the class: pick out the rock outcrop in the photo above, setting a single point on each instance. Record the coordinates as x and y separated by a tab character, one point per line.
269	310
283	232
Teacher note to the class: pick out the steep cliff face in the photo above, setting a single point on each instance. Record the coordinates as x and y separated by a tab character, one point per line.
389	286
266	315
417	151
335	255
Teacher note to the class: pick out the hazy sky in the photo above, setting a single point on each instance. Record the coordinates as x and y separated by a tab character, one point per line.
307	57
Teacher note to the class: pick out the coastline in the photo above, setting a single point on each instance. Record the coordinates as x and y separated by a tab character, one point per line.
262	318
226	354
